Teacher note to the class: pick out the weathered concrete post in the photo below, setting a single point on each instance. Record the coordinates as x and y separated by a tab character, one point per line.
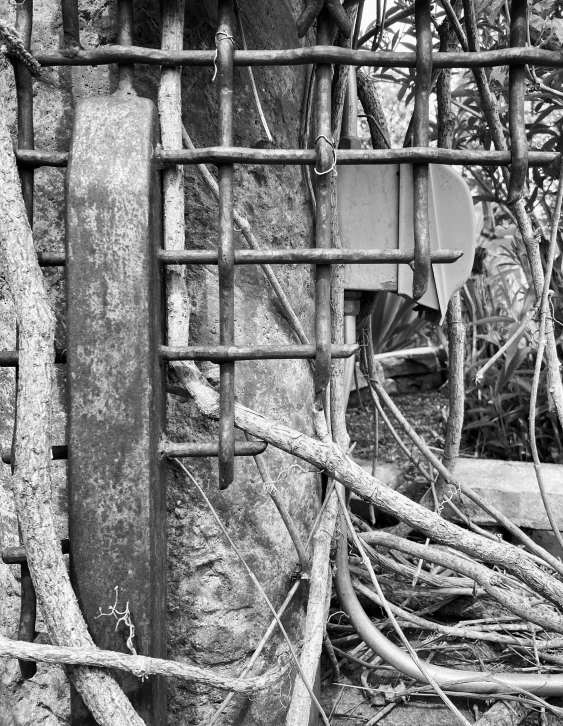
115	384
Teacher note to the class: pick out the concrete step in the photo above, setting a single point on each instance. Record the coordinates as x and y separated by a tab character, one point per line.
513	488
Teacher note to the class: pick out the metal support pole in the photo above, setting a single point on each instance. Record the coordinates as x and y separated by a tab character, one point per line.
323	169
125	37
420	138
516	98
24	92
117	507
71	24
349	138
226	261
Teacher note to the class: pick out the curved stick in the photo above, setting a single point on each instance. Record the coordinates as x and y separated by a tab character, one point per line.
453	680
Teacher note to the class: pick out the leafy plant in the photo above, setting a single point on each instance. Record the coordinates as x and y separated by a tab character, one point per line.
395	325
497	407
496	302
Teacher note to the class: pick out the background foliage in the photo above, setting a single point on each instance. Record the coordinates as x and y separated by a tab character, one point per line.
498	297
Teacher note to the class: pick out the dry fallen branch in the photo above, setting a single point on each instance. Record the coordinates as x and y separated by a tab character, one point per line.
316	614
455	485
341	467
321	577
409	619
139	665
390	611
455	324
376	390
492	582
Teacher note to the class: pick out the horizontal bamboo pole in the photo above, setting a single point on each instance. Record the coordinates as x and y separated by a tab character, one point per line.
34	158
171	448
57	452
305	256
300	56
51	259
10	358
349	157
242	448
219	353
18	555
280	257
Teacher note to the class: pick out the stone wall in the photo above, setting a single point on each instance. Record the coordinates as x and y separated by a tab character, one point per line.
215	615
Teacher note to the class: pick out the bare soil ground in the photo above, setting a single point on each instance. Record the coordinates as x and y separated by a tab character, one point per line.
427	412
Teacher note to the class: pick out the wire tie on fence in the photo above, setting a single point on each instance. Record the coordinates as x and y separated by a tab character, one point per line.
225	36
333	167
